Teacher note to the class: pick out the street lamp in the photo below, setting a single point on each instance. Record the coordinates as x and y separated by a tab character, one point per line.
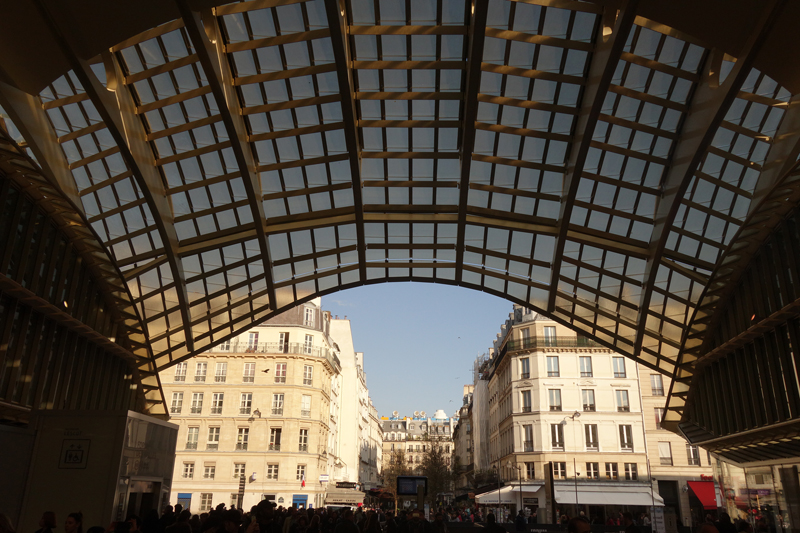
519	473
572	417
497	482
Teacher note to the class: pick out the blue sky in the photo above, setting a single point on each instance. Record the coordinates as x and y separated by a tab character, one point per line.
419	340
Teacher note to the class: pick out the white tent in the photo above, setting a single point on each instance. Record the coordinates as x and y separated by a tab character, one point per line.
610	495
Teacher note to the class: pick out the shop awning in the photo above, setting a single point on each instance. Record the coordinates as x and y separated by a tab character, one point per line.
344	497
706	492
494	497
532	488
610	495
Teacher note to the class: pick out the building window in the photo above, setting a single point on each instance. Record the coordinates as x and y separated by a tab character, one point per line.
180	372
557	436
528	442
280	373
242	438
587	395
657	384
252	342
308	317
213	439
559	470
188	470
272	471
586	367
210	472
197	403
221	373
192	438
693	454
665	453
205	501
216	403
249	374
246	403
177	403
619	367
530	471
612	471
283	342
277	404
234	499
549	336
622	401
592	441
301	472
555	399
552	366
305	406
526	401
303	443
631	472
525	368
626	438
593	470
308	373
238	470
308	344
659	412
275	439
200	371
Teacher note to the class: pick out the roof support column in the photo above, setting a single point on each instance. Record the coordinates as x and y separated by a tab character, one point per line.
472	86
606	56
207	41
337	22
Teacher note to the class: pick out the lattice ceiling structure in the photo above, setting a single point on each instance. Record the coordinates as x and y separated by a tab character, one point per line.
611	164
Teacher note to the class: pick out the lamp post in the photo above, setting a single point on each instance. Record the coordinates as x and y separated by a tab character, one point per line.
497	482
575	415
519	473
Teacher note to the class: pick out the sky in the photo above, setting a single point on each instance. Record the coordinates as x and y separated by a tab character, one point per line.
419	340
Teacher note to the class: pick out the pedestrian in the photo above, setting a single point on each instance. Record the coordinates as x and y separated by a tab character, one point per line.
74	523
47	523
630	525
520	522
579	524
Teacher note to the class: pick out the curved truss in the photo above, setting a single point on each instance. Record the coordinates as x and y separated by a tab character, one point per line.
574	157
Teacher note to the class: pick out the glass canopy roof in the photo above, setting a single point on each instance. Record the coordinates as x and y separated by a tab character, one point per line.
583	161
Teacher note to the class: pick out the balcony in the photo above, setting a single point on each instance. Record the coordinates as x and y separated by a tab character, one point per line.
303	448
528	445
248	379
200	378
212	446
219	379
589	407
196	410
666	461
555	408
587	374
307	381
216	410
533	343
274	447
526	408
525	375
241	445
277	411
278	348
623	409
305	413
179	379
280	379
191	445
694	461
175	410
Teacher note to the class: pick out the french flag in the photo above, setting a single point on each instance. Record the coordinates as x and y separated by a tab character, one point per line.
303	481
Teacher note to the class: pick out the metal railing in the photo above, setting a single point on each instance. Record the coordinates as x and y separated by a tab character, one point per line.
592	446
200	378
525	375
180	378
278	348
694	461
191	445
280	379
216	410
305	413
248	379
528	445
196	410
241	445
274	447
212	446
555	408
658	392
174	410
532	343
526	408
303	448
624	409
277	411
220	378
587	374
589	407
307	381
244	410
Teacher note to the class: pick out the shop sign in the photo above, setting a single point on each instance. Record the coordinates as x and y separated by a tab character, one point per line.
346	485
323	478
755	492
530	501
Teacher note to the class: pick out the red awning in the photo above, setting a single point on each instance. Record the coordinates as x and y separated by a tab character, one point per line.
705	492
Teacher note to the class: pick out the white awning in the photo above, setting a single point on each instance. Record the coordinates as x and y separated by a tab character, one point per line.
344	497
497	497
531	488
610	495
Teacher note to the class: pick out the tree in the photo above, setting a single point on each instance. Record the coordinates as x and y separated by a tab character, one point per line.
397	467
436	468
